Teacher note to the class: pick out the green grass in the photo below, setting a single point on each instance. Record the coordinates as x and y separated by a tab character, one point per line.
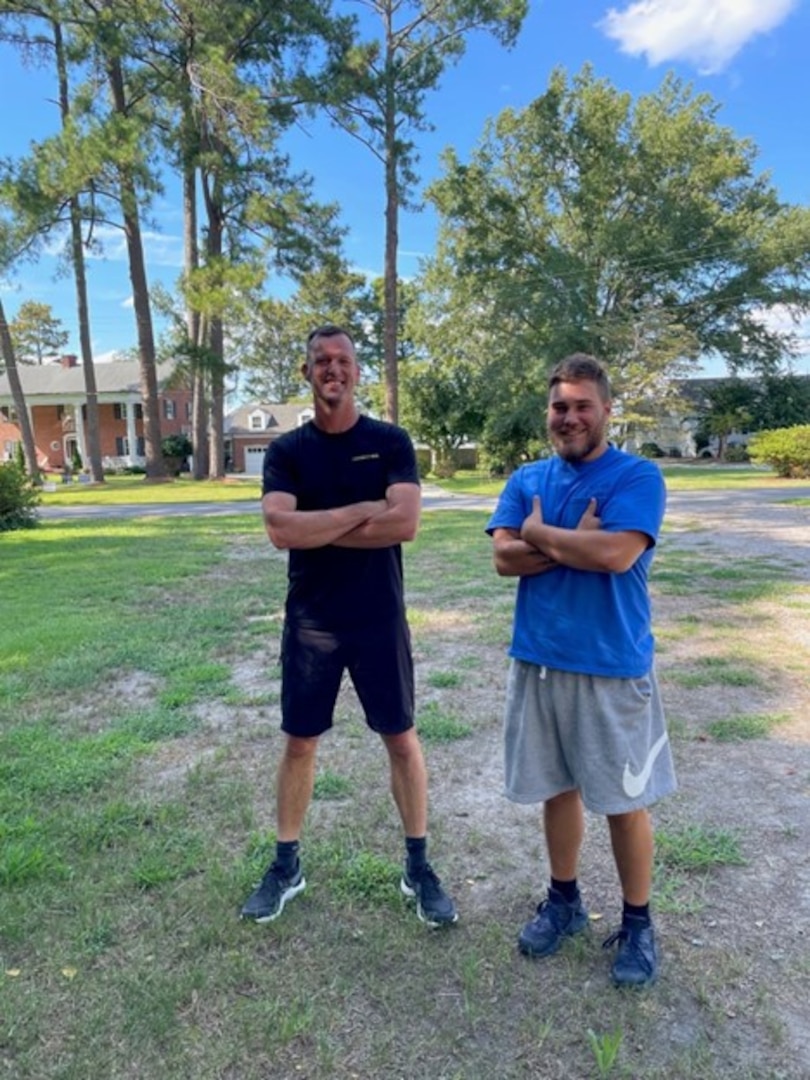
691	477
122	490
436	726
138	745
329	785
698	848
744	726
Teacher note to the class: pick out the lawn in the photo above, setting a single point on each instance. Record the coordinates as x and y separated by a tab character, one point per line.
138	738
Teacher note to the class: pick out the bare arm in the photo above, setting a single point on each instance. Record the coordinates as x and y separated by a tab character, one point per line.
514	557
584	548
289	527
397	523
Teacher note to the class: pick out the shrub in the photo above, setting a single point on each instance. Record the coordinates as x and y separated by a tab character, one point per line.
737	454
176	449
176	446
18	499
650	450
786	450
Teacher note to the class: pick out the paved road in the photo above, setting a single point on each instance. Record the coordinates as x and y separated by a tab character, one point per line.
433	498
739	504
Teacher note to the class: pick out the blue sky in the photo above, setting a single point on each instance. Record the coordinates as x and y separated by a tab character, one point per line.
750	55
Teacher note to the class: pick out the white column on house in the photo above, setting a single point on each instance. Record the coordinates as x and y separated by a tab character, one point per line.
78	422
132	438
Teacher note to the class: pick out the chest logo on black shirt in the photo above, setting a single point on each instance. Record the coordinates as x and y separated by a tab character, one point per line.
366	457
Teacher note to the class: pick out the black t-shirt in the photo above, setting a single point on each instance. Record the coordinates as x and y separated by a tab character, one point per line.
335	587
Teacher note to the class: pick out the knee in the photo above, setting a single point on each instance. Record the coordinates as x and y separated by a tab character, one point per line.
403	747
300	749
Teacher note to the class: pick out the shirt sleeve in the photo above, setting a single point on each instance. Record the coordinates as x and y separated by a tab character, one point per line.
402	467
278	472
638	502
510	512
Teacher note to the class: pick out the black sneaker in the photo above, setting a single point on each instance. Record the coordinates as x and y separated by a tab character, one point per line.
433	906
637	960
267	901
555	920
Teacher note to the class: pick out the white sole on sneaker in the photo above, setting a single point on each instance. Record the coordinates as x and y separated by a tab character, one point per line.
288	894
410	893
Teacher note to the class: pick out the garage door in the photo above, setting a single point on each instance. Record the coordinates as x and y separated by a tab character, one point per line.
254	456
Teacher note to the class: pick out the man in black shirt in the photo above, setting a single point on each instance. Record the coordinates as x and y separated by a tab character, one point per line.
341	494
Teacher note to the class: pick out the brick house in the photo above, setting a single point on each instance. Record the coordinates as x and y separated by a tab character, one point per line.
251	427
56	399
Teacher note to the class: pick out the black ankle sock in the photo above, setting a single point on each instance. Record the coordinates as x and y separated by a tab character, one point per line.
637	913
416	847
568	890
287	855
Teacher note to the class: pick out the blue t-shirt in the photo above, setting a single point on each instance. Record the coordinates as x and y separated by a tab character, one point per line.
581	620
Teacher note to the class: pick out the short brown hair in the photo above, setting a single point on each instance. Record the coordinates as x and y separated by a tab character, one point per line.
581	367
327	330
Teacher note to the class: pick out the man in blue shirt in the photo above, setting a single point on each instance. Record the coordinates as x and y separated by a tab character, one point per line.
584	723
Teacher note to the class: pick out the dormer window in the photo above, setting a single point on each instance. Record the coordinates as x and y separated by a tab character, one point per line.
257	421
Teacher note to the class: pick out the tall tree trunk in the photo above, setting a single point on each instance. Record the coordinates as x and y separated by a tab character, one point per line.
93	426
216	465
23	421
195	329
391	245
216	337
155	465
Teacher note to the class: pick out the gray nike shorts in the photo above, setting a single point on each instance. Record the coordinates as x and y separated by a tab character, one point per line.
606	737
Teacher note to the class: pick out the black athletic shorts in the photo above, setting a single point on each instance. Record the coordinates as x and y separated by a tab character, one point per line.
379	662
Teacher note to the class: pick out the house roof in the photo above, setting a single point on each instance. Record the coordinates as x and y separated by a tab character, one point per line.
273	419
52	383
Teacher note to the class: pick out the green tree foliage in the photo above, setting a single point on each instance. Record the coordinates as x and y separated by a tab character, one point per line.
638	231
378	95
18	499
749	405
271	340
730	405
786	450
36	334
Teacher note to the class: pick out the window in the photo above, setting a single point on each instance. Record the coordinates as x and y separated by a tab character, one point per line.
188	410
256	421
120	410
169	409
121	446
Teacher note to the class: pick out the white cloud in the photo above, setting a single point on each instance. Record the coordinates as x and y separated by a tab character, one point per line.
707	33
161	249
786	320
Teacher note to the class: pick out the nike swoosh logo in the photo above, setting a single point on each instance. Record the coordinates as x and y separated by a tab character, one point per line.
634	785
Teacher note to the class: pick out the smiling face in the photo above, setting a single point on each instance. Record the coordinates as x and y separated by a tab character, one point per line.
332	371
577	420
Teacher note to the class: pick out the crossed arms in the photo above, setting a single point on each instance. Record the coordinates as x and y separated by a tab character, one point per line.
373	523
536	547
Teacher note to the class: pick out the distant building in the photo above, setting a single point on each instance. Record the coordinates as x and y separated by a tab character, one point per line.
250	428
56	400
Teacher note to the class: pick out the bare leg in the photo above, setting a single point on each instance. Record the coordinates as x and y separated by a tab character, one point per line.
564	823
408	780
296	777
632	838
